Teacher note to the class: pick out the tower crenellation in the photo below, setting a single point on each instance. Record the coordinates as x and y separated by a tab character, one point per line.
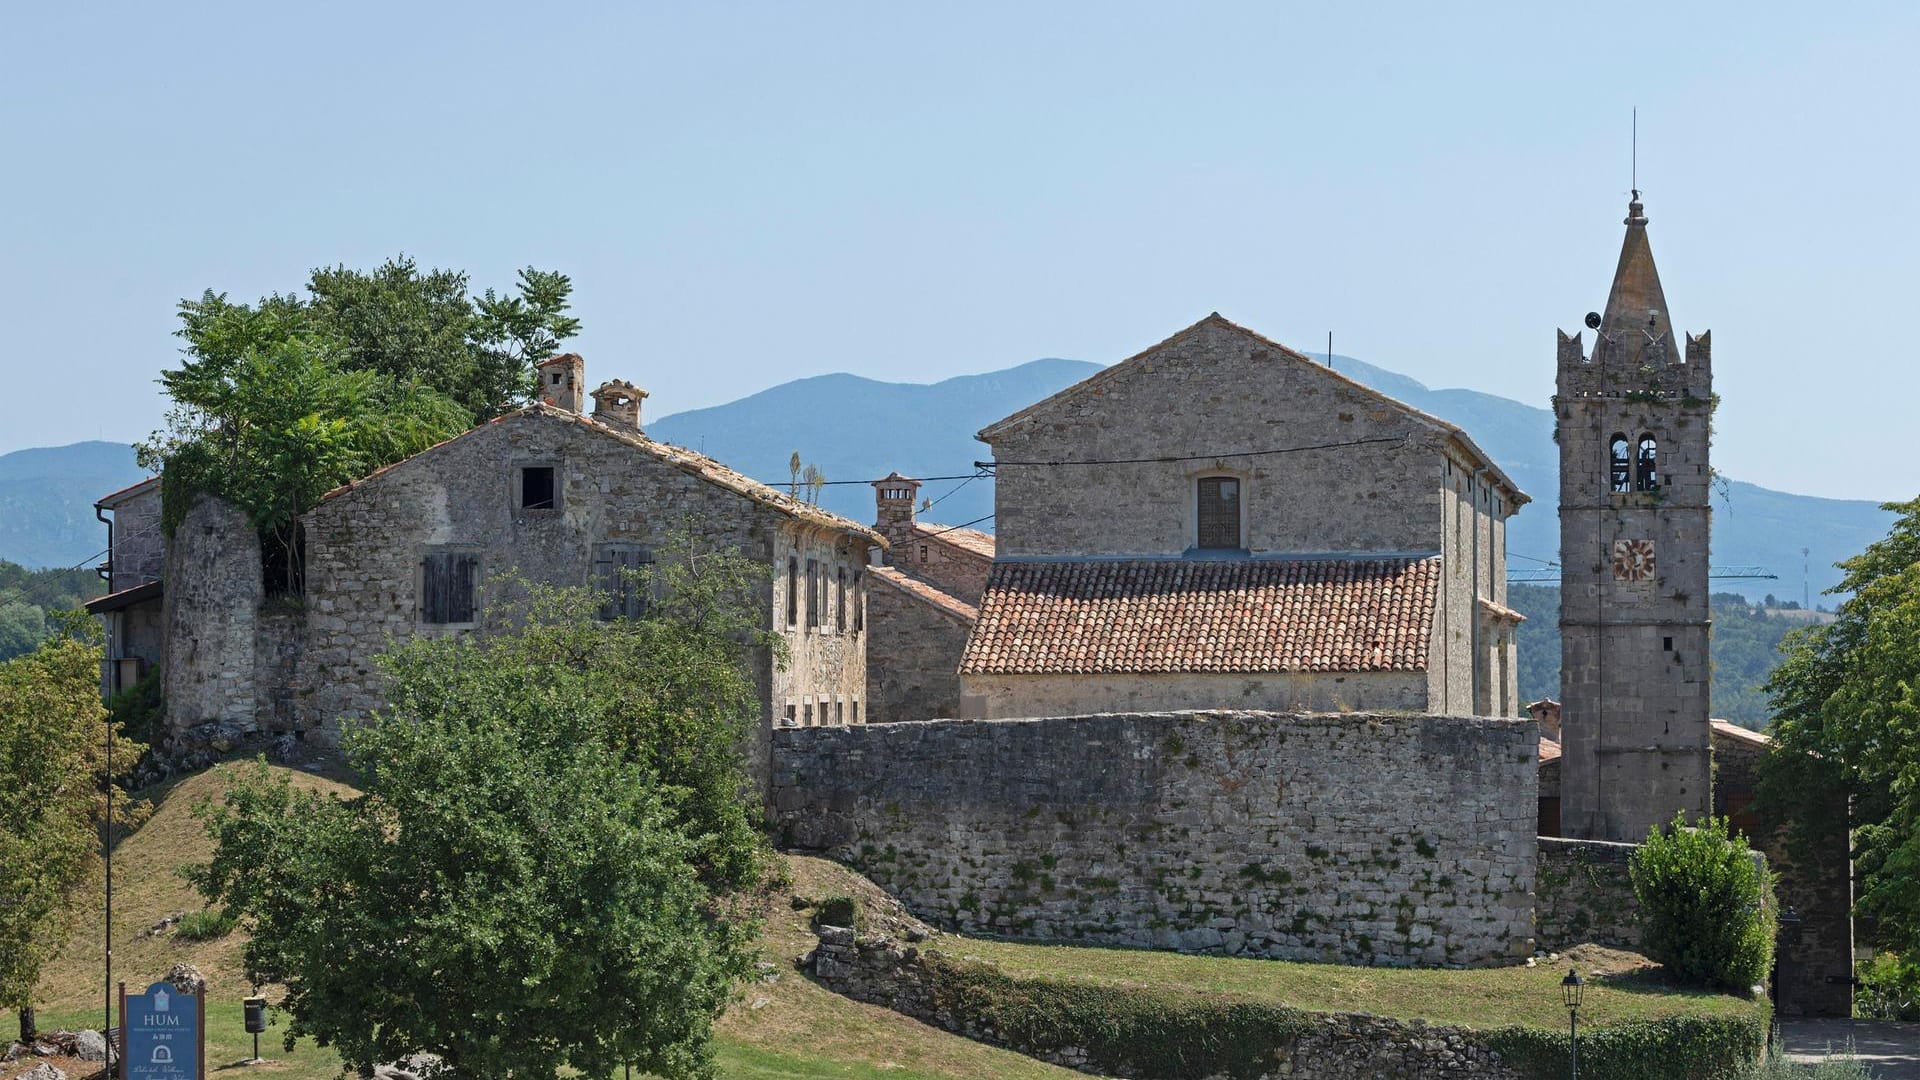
1633	420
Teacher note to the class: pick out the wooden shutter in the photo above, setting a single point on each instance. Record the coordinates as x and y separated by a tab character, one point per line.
447	586
625	597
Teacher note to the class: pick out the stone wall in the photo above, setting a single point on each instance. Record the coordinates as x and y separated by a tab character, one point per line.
925	553
1814	880
365	547
1583	894
1004	696
1370	838
1305	1046
913	655
211	607
139	553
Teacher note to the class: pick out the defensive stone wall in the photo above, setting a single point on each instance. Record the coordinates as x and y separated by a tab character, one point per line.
1583	894
1359	838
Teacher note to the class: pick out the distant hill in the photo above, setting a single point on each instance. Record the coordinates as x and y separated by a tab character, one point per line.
858	429
46	500
861	429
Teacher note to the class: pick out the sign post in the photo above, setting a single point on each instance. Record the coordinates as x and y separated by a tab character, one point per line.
163	1034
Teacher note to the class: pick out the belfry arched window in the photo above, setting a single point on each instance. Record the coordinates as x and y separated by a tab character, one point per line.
1620	469
1647	465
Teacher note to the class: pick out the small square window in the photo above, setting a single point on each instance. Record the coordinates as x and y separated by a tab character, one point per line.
536	487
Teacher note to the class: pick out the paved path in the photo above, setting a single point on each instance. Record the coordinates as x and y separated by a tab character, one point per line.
1891	1049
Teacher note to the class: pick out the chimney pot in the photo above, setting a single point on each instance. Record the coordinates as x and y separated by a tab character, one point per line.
617	404
563	381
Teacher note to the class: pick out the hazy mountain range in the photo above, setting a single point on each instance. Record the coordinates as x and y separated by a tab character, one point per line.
858	429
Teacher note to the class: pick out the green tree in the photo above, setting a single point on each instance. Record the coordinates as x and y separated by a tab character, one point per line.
545	868
52	765
1846	707
1705	904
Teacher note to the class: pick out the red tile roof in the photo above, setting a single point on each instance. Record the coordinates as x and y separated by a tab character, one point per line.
1549	750
969	540
1160	616
926	592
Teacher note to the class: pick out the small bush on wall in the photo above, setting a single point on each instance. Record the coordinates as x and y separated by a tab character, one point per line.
1706	908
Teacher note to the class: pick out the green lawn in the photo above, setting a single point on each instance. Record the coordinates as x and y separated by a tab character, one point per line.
1478	997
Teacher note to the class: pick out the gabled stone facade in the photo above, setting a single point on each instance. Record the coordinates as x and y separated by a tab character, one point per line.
1221	445
419	548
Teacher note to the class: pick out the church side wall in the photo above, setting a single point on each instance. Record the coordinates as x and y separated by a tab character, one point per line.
999	697
1376	839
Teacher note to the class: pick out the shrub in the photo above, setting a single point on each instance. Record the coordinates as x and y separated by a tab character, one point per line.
203	925
837	911
1706	908
1889	988
1775	1066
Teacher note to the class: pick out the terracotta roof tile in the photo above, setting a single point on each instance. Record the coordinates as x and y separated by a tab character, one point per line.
970	540
1156	616
926	592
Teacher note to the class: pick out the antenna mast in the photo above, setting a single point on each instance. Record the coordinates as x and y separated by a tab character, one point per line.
1635	174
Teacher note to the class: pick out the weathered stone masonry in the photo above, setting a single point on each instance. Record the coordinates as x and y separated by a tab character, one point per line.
1380	839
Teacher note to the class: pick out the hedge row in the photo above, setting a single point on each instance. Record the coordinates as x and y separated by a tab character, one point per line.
1173	1035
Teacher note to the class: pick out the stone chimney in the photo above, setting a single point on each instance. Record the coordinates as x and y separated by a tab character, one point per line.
617	404
893	499
1546	712
563	380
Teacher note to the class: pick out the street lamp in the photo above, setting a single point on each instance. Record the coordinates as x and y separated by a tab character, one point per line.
1572	988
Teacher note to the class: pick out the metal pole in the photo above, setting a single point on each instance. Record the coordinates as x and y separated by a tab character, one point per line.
1573	1037
106	845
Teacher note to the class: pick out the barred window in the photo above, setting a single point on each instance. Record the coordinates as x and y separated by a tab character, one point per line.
1219	513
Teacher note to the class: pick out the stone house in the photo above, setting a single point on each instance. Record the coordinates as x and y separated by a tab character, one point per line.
545	492
923	605
1222	522
130	612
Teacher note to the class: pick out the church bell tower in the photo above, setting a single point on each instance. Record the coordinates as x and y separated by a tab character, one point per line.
1633	422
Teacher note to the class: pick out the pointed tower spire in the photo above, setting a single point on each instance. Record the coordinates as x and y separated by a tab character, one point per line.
1636	316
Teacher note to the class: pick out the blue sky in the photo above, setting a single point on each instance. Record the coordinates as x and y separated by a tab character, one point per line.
747	193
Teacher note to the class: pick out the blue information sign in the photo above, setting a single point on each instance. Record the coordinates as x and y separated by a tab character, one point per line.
162	1034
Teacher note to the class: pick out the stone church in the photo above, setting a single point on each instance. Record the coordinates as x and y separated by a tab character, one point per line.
1220	521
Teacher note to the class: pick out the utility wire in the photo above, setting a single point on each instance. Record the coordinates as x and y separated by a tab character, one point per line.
1193	457
951	528
955	488
84	564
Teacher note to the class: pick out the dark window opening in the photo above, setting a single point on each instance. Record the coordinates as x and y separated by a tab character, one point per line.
556	378
840	713
806	718
447	586
1648	464
283	561
619	575
789	720
923	553
859	605
856	712
840	603
813	592
536	487
1219	513
1667	644
793	590
1619	471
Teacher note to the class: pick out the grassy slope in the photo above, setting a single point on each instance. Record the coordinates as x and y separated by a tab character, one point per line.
798	1029
793	1028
